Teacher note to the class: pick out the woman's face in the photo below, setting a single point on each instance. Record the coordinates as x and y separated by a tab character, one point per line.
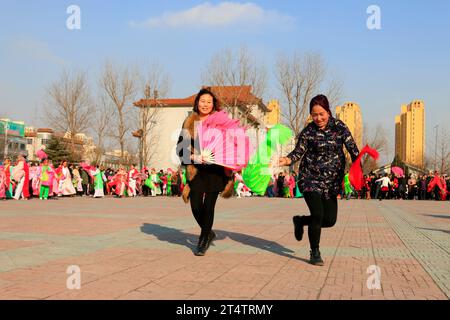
320	116
205	104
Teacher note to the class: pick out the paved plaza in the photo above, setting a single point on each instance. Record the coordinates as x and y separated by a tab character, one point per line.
142	248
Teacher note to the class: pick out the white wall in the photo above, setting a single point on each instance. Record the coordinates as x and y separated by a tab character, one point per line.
165	137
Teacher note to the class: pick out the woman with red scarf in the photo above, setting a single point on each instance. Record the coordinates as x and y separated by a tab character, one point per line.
320	149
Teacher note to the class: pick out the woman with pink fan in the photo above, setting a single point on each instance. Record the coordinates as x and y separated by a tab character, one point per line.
205	178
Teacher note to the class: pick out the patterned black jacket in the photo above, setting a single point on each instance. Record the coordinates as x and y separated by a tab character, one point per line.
322	157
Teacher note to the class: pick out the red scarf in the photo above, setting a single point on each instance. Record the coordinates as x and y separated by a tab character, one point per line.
356	174
26	182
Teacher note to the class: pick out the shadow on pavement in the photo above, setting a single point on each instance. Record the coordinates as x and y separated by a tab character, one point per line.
171	235
177	236
259	243
437	216
445	231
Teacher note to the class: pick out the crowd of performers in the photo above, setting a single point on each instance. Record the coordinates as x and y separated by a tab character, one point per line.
424	187
21	180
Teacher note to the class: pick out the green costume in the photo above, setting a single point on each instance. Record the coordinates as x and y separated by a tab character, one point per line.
347	185
169	184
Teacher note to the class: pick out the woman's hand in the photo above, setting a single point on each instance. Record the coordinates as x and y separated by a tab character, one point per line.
196	158
284	161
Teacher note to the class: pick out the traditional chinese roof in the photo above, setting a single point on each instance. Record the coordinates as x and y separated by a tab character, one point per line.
227	95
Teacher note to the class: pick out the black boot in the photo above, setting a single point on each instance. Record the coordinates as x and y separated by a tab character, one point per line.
211	237
298	227
200	240
204	243
202	247
315	257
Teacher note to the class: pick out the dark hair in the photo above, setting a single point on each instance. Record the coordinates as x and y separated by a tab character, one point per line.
322	101
216	103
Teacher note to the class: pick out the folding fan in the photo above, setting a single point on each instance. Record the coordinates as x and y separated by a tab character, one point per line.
223	141
41	154
261	166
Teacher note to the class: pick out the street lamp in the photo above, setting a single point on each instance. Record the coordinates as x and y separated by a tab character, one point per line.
139	134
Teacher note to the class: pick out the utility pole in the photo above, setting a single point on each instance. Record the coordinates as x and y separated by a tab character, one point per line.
435	147
6	128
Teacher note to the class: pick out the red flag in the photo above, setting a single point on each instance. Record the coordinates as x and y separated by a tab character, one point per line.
355	174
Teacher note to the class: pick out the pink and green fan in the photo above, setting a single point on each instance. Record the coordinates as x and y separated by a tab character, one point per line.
259	170
223	141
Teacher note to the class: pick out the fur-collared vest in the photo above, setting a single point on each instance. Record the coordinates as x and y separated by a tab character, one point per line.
187	134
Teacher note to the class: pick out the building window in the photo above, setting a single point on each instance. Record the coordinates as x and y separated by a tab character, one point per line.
29	141
45	141
22	147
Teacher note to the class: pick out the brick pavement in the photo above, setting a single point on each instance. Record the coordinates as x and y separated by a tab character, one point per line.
142	248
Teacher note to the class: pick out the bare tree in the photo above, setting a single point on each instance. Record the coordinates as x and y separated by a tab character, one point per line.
154	83
334	91
376	139
103	117
236	68
443	152
119	85
68	105
300	77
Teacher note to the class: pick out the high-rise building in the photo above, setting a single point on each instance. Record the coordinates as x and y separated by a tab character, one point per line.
410	134
350	114
274	115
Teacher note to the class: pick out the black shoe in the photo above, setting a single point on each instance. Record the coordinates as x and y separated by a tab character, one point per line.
204	246
211	237
298	227
315	257
199	244
201	250
204	243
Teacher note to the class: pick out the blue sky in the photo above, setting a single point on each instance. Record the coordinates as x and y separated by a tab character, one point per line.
381	69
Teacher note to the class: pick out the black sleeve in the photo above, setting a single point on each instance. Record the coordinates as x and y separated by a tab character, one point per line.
349	143
184	147
300	148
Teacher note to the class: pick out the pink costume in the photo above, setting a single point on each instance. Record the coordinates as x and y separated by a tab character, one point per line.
34	171
3	183
65	183
292	186
119	180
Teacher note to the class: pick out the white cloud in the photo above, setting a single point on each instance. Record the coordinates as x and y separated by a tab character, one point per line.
221	15
35	50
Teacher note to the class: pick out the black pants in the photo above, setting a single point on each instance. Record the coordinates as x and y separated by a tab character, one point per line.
145	190
323	215
175	192
85	189
202	205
